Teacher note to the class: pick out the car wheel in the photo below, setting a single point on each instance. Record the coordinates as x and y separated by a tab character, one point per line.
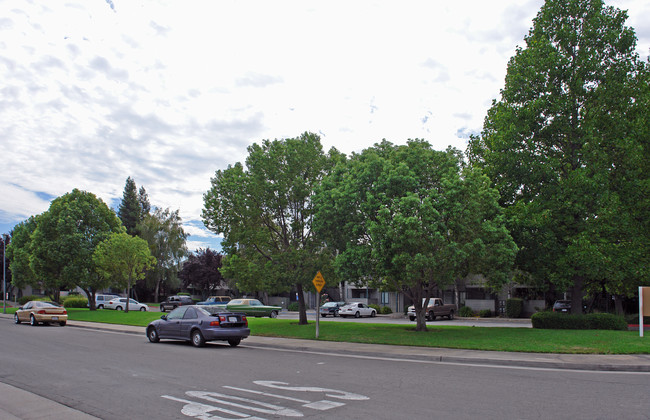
152	335
451	315
335	314
412	318
323	315
118	308
162	308
143	309
62	323
100	307
431	316
373	314
16	319
357	315
32	321
234	342
197	339
273	314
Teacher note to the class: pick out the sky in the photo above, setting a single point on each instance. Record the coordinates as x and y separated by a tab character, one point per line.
168	92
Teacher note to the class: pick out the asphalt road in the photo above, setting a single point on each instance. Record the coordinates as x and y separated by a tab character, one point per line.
113	375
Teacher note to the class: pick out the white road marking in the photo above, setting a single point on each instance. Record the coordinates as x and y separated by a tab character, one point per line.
333	393
200	411
264	408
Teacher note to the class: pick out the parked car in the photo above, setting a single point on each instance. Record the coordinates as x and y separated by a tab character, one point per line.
37	312
253	307
562	306
331	308
215	300
173	302
356	309
198	324
119	304
435	309
100	300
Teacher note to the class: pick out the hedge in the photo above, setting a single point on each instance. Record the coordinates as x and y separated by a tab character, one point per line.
514	307
466	312
75	302
559	321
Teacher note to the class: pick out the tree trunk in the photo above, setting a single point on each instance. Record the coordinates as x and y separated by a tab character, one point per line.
576	295
91	298
618	304
302	308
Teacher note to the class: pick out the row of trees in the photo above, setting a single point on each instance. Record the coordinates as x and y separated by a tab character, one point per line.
556	187
80	242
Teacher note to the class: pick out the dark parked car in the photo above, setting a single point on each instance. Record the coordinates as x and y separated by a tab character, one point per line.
173	302
199	324
563	306
330	308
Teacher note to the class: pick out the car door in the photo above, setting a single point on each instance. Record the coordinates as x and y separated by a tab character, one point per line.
23	315
364	310
189	319
171	325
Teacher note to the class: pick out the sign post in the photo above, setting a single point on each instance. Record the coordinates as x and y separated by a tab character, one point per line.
319	282
644	306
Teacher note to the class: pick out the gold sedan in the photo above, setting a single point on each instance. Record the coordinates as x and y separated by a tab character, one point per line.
37	312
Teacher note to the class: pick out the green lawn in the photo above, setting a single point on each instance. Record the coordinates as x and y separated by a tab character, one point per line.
475	338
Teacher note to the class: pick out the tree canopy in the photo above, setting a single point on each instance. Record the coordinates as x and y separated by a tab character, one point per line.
202	271
65	237
565	146
163	231
123	259
265	213
411	219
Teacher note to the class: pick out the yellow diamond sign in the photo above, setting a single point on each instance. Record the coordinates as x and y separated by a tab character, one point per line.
319	282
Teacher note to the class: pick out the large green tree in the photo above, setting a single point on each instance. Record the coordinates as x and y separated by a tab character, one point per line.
123	259
163	231
19	254
566	146
265	211
65	238
411	219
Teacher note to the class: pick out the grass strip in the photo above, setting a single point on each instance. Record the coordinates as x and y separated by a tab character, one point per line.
455	337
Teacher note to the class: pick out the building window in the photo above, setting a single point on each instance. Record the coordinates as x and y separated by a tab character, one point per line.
385	298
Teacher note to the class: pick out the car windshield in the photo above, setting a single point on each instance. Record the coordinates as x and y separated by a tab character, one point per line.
236	302
209	310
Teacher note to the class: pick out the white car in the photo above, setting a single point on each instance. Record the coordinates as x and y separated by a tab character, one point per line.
120	305
356	309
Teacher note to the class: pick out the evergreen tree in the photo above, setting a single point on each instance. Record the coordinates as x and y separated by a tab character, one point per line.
130	207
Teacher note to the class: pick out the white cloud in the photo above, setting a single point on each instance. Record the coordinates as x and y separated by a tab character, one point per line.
169	92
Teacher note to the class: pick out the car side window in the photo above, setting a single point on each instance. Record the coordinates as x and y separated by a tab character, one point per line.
190	314
28	306
177	313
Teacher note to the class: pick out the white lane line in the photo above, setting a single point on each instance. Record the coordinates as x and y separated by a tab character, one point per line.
433	362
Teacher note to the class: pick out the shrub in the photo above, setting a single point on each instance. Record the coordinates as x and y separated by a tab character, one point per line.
385	310
558	321
293	307
514	307
485	313
375	307
23	300
183	294
465	311
75	302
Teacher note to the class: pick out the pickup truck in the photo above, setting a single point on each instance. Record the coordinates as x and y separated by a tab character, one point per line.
435	309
